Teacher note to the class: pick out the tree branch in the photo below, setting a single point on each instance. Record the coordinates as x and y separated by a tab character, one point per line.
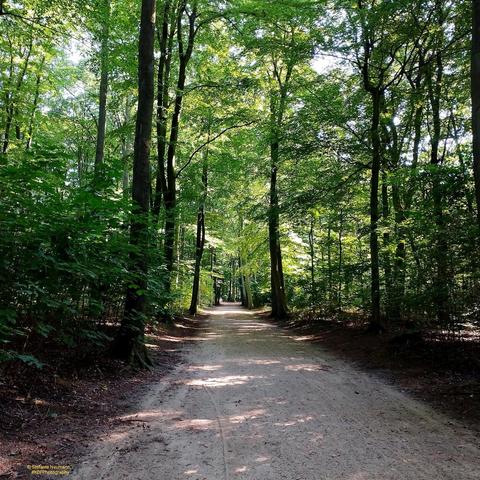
198	149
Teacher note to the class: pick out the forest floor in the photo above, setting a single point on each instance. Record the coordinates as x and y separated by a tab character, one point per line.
53	414
438	368
252	400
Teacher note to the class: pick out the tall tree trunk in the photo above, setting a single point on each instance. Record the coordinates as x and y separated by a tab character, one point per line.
164	65
129	342
170	194
475	86
230	283
126	152
248	291
398	283
234	279
279	301
441	280
329	264
387	261
311	244
12	97
243	296
200	241
375	314
216	287
401	207
102	97
278	103
36	97
340	261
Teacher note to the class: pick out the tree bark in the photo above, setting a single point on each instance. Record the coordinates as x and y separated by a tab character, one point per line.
277	110
475	87
129	342
375	313
248	291
311	244
200	240
279	301
102	104
11	97
35	105
170	194
340	261
387	261
164	65
441	280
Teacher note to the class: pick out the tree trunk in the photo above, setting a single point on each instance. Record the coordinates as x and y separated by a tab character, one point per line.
234	279
399	265
102	104
441	280
170	195
164	64
387	262
340	262
200	241
230	283
248	291
35	105
243	296
311	243
129	342
475	86
375	314
12	97
279	301
126	147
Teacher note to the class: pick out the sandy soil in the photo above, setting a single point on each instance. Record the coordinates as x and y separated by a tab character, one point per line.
250	402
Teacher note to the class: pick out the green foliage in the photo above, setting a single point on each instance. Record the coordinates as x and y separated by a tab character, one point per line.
65	250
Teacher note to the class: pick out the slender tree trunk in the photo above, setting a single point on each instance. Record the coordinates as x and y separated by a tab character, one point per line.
279	301
179	248
340	262
234	279
35	105
12	97
200	241
102	104
311	243
329	265
375	313
387	262
398	290
126	146
401	207
241	278
465	168
230	283
164	65
129	342
441	281
170	195
248	291
475	86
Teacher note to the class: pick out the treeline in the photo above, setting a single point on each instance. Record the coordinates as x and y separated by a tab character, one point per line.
301	154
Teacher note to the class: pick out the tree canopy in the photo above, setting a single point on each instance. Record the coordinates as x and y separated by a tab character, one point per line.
296	153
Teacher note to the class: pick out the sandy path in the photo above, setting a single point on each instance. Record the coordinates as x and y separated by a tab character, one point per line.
251	403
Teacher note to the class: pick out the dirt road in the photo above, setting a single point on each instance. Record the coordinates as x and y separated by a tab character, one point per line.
252	403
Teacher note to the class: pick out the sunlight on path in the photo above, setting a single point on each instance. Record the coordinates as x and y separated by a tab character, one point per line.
251	403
